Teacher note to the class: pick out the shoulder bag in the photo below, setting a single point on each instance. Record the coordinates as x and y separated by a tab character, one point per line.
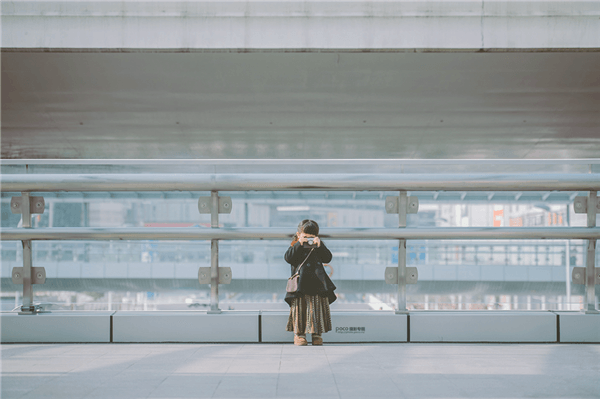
292	283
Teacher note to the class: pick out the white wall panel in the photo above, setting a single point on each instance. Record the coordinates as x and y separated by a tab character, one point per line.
236	326
475	326
579	327
468	273
185	326
163	270
111	269
540	274
184	270
55	327
515	273
347	327
492	273
68	269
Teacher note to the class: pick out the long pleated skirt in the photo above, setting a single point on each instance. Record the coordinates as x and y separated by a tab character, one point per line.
309	315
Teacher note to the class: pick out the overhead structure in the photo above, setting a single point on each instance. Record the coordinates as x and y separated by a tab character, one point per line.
301	25
268	79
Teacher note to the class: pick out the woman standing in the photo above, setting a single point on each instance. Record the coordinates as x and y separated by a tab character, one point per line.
309	306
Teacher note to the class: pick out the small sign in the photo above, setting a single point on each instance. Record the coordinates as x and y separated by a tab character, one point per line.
350	330
498	218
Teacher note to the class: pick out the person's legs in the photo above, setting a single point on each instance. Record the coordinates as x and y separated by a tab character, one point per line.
317	339
297	321
300	340
319	317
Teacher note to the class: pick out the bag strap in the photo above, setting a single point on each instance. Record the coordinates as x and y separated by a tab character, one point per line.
302	264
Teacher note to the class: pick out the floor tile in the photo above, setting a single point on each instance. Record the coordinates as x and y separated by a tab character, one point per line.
284	371
186	386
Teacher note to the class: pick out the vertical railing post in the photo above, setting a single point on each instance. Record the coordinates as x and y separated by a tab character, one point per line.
590	267
402	206
214	255
401	275
214	275
568	272
27	306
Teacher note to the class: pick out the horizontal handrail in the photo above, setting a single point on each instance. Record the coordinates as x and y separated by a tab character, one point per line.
300	162
299	181
169	233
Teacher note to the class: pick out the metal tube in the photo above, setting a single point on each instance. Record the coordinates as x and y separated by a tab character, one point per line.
214	211
276	162
214	255
402	202
590	279
27	286
591	211
294	182
590	267
243	233
402	207
568	273
27	255
401	278
26	210
214	277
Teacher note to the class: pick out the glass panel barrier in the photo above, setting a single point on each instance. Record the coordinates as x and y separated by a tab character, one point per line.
163	275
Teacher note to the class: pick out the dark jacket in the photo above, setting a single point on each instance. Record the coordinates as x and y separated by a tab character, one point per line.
313	279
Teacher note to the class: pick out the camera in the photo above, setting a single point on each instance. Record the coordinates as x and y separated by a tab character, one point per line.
310	243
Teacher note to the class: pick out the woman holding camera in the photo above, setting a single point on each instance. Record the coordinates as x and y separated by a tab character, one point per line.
309	305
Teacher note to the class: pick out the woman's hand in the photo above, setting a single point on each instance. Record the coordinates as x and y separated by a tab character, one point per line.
302	238
294	239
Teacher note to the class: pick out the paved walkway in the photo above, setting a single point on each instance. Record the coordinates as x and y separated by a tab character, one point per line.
285	371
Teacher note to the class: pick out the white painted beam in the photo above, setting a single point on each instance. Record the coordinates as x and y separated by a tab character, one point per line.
301	25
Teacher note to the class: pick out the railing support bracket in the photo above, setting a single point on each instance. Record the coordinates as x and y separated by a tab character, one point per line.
579	275
205	204
392	204
391	275
36	204
580	205
225	275
38	275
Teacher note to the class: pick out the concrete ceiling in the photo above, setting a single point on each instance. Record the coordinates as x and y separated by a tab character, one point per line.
300	105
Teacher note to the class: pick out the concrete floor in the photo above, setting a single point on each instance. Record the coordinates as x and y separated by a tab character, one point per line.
285	371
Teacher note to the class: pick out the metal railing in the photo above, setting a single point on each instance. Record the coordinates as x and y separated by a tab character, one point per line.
299	181
403	204
433	253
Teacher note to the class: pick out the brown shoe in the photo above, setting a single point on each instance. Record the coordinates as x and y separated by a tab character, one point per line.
300	341
317	340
